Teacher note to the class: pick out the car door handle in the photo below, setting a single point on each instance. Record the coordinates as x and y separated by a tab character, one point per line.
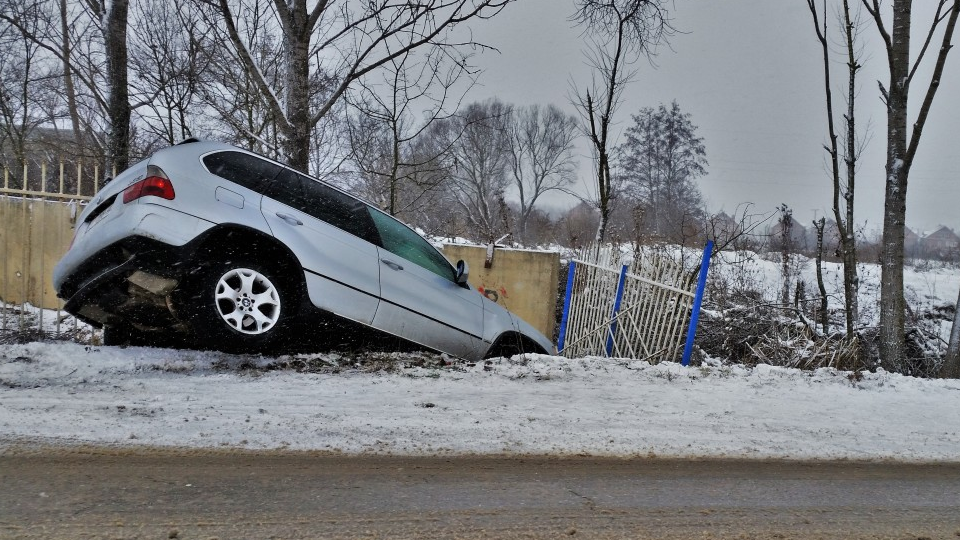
289	219
391	264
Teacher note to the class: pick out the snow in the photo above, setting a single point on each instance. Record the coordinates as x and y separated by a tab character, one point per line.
926	286
68	395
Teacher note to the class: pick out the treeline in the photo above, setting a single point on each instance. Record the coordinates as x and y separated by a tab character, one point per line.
369	97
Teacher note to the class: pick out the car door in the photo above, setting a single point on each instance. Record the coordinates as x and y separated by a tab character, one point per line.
420	299
329	232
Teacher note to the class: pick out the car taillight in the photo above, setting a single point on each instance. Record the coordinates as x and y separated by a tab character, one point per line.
156	184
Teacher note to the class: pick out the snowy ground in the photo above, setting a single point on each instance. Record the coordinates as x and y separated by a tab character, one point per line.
66	394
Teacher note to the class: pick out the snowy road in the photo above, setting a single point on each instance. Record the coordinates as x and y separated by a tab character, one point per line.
154	443
138	494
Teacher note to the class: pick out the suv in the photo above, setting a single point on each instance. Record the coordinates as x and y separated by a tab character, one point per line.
227	249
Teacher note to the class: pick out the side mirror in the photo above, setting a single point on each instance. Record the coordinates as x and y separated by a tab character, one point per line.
463	272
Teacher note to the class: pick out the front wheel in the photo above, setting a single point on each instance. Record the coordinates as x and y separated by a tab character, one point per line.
240	307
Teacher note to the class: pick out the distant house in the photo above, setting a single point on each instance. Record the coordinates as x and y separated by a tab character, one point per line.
940	244
831	239
56	150
798	236
911	243
723	226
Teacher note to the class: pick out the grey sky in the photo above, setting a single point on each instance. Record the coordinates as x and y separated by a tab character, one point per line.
750	74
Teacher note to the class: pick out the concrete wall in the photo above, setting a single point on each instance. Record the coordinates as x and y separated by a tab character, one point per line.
34	234
525	282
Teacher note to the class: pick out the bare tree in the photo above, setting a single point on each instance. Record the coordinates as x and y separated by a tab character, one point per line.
334	43
66	58
238	112
20	71
619	32
578	226
90	40
843	188
662	158
541	156
166	65
478	140
391	117
902	144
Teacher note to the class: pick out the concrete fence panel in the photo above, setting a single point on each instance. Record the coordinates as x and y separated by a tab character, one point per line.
525	282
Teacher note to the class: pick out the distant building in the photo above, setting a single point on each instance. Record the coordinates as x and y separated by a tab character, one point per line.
798	236
942	244
911	243
831	239
723	226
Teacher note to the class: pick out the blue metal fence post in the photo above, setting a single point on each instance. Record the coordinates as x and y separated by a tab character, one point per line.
616	309
566	306
697	301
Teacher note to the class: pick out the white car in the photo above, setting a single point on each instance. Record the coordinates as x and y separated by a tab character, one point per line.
207	242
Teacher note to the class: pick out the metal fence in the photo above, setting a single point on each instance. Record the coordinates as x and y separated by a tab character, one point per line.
38	206
638	310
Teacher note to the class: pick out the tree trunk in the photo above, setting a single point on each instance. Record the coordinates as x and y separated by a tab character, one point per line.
824	308
68	76
892	302
394	166
786	247
845	220
603	199
118	104
298	126
848	240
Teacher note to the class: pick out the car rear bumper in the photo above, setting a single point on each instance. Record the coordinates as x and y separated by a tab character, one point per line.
129	279
95	242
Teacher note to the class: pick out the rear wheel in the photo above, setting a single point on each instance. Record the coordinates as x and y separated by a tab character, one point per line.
240	306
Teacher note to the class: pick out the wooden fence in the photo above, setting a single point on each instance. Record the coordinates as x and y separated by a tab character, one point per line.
38	207
638	310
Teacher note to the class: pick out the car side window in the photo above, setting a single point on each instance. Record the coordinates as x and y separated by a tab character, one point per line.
398	239
287	190
323	202
247	170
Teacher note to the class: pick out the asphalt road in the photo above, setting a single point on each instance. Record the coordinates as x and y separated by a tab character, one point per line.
168	494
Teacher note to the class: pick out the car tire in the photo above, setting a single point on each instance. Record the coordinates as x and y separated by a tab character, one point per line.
241	306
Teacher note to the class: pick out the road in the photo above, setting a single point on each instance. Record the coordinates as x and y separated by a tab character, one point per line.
227	495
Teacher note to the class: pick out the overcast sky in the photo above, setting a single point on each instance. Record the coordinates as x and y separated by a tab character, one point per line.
750	74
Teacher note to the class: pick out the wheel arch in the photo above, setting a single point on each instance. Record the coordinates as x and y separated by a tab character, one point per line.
240	241
512	342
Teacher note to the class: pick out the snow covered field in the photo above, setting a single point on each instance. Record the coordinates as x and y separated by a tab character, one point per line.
66	394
